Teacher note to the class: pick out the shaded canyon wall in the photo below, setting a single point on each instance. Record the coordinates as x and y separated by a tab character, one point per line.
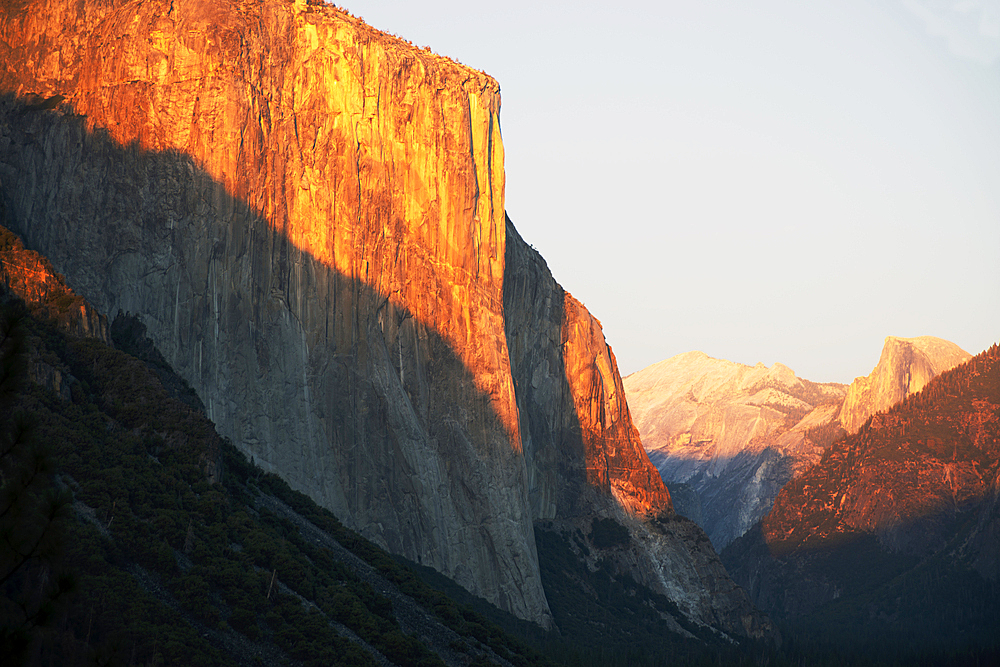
308	216
585	457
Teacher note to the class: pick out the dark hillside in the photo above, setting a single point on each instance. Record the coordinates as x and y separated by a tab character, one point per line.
174	549
890	546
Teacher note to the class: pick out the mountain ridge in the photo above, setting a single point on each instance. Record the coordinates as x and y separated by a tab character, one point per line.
896	526
734	433
737	434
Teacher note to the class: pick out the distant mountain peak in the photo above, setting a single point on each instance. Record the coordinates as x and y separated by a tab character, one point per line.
704	420
905	366
736	433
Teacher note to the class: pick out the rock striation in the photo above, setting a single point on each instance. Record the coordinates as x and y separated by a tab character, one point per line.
733	433
905	367
307	216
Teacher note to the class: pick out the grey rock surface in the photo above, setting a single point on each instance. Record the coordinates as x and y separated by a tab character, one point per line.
307	216
585	458
734	434
317	376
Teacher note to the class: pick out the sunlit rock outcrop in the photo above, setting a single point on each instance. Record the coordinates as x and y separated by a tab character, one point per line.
905	367
30	277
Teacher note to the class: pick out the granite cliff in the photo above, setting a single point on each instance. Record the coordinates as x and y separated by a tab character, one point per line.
905	367
307	216
585	457
316	249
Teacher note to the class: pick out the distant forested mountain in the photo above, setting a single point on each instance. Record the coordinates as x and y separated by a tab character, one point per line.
890	545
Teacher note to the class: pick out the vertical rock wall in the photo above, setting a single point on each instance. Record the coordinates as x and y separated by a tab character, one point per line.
585	458
578	436
307	214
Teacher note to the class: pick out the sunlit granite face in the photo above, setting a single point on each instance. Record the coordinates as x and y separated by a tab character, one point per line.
905	367
307	215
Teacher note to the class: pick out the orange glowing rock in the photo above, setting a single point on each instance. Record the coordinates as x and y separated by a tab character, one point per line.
308	217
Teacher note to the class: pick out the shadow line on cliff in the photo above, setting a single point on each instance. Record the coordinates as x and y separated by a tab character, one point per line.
413	436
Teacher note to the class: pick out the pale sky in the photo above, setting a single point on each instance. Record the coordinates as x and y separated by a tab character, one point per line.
761	181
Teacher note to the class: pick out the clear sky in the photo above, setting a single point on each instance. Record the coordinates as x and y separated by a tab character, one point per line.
762	181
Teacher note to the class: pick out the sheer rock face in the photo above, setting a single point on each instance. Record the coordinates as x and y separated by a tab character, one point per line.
736	434
906	365
575	424
585	457
307	215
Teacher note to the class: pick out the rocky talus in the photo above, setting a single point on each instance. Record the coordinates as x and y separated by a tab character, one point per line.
307	217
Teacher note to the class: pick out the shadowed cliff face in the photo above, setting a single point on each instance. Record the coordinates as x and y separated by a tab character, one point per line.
585	458
381	423
307	215
577	432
